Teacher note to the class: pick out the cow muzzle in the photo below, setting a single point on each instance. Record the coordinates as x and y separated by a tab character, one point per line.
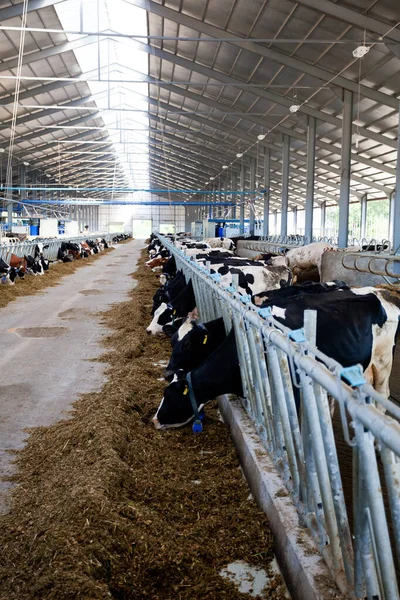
156	423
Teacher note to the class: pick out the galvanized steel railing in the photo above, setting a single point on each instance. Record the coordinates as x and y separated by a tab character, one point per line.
277	365
25	248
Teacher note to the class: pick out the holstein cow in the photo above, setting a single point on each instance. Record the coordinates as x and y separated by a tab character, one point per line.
218	374
192	343
305	258
309	287
166	314
217	242
9	274
253	278
356	326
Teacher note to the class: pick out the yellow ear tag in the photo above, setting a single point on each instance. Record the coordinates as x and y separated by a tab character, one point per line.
205	340
174	311
185	391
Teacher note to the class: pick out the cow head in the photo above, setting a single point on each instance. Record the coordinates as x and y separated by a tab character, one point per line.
280	261
162	316
175	409
190	348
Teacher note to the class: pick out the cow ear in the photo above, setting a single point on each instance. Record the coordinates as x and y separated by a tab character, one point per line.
181	376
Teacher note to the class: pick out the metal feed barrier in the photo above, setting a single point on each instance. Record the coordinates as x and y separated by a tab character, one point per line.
277	365
25	248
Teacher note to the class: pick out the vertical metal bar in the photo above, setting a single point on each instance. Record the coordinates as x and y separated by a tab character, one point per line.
311	136
285	183
234	196
396	213
379	533
294	219
267	193
242	184
323	218
391	466
344	197
391	219
252	185
363	220
275	222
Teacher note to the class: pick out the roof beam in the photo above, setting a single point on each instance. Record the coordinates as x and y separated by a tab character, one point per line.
7	65
268	53
16	10
326	167
352	17
285	130
258	92
46	113
43	132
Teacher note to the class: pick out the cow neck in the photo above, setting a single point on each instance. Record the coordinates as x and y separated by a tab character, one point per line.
218	374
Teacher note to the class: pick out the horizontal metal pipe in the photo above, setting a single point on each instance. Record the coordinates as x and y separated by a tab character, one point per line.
117	189
122	203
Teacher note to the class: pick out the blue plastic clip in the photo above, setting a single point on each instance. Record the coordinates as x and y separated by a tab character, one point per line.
197	426
245	299
230	288
265	312
297	335
216	277
354	375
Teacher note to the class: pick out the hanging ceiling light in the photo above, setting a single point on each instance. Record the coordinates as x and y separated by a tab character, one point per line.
360	51
2	150
26	163
211	178
239	154
224	166
261	136
294	108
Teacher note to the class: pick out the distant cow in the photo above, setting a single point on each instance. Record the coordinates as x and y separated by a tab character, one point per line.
304	258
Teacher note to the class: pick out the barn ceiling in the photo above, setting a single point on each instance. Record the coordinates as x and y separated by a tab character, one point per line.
169	99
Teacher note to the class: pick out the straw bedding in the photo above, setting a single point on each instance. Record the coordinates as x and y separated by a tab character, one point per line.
107	507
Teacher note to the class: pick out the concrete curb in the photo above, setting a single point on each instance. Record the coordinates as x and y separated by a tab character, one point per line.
306	575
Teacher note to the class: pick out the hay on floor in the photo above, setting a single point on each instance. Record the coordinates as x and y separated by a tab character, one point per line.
107	507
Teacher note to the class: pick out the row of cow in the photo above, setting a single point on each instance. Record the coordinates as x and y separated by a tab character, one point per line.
354	326
16	267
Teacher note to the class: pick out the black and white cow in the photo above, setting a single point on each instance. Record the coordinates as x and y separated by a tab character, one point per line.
192	343
166	314
218	374
253	278
309	287
9	274
357	326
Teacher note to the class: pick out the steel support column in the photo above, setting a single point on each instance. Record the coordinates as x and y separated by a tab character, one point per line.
391	218
396	206
311	137
233	197
363	226
267	193
323	218
285	183
275	222
242	198
344	197
252	188
295	219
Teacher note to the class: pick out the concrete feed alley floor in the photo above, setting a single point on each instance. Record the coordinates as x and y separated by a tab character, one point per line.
46	343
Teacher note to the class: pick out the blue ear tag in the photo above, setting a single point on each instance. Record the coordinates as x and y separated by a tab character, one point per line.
202	414
197	426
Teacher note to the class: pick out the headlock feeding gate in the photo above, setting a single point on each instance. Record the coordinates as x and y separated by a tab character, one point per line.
277	365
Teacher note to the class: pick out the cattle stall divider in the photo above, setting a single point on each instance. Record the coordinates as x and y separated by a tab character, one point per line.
24	248
279	366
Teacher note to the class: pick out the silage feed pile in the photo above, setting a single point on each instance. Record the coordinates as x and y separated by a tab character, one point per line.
108	507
